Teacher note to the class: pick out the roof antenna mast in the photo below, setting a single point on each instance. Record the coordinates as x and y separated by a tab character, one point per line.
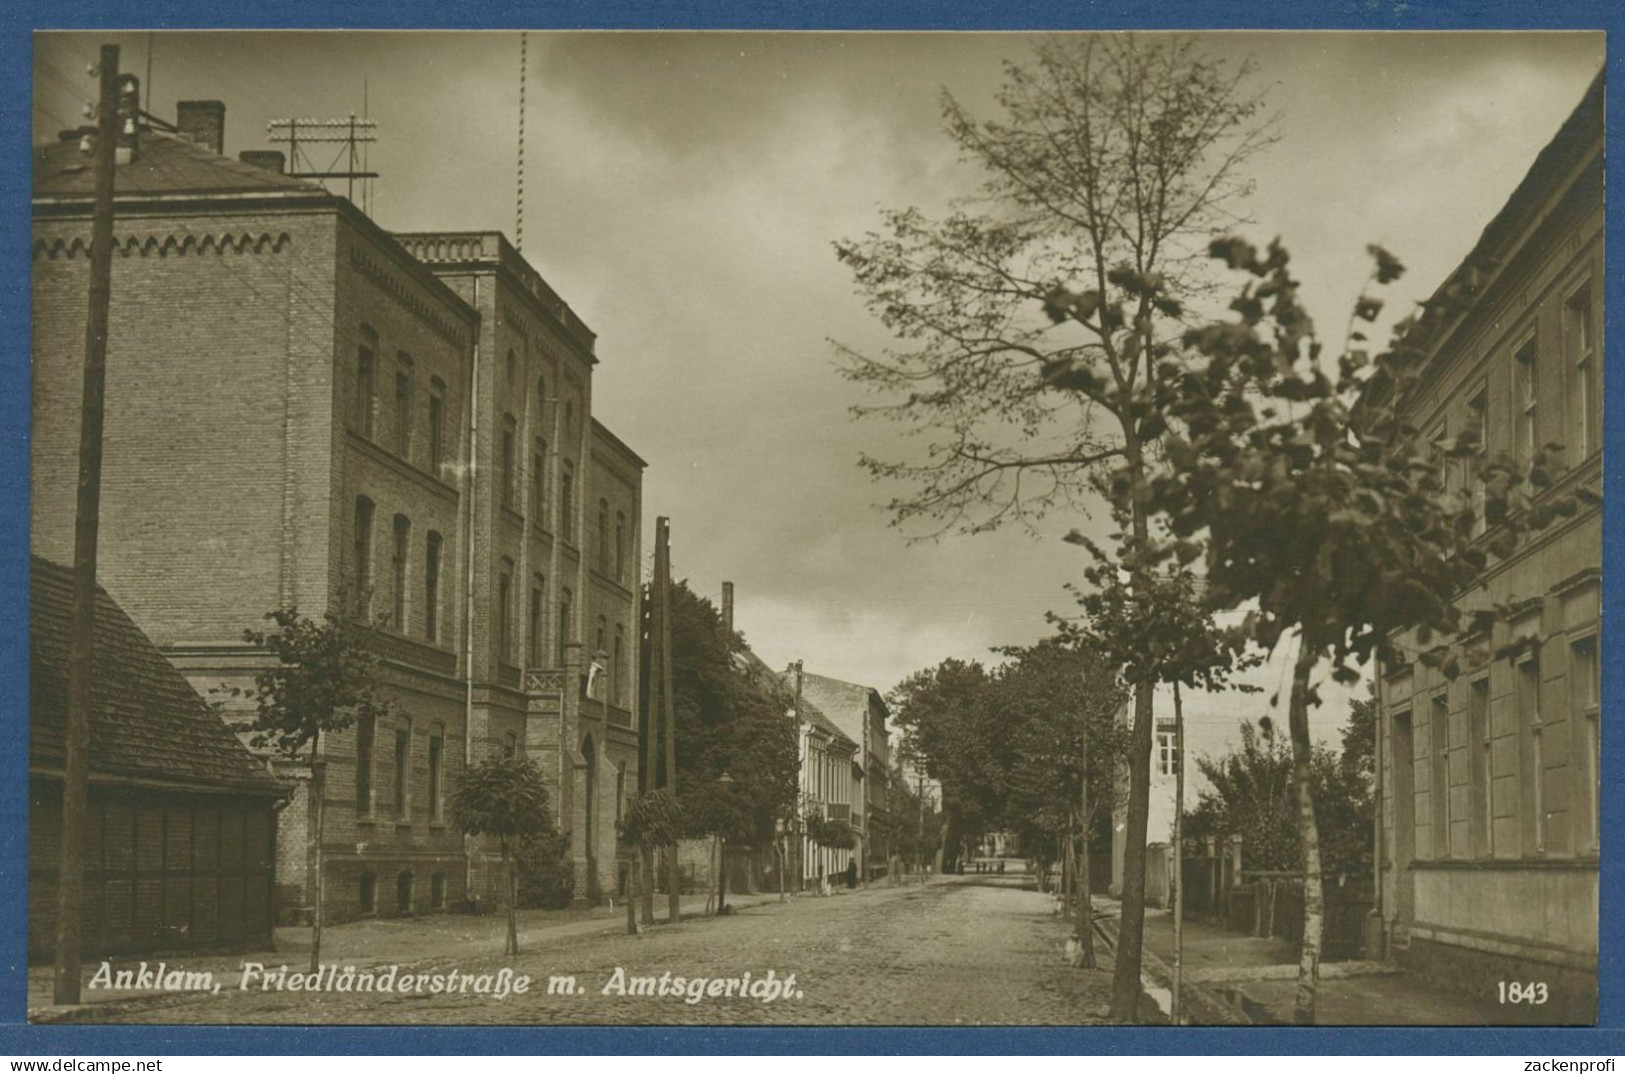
519	215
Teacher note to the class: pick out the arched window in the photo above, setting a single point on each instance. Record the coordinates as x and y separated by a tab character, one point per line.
431	587
567	502
437	891
368	894
403	893
366	375
403	405
564	624
364	730
504	630
538	597
510	746
437	425
361	557
402	547
617	667
620	547
506	461
437	761
509	366
603	536
538	481
620	790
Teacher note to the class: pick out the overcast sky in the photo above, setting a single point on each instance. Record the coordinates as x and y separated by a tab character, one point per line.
683	191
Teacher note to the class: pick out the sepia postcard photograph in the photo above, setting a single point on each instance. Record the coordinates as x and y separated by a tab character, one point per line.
815	528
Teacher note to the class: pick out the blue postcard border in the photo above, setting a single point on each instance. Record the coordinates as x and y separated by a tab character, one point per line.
18	23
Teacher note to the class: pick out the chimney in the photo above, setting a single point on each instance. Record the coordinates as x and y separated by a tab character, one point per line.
203	122
272	160
728	606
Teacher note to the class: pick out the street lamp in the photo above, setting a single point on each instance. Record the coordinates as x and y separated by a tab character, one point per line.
724	781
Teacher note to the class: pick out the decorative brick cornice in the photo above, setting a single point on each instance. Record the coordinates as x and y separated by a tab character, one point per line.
382	278
167	245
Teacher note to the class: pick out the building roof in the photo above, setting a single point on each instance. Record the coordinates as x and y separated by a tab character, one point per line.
164	164
1580	136
809	708
847	703
147	723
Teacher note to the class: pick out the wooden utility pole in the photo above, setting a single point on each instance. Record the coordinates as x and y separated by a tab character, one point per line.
81	643
1179	855
674	894
649	731
798	842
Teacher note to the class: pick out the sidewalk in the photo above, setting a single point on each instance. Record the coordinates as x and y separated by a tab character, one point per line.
1257	978
375	942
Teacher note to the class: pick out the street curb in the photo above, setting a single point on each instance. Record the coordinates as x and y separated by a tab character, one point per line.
1209	1006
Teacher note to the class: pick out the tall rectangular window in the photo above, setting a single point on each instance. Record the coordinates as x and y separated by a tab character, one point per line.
1585	694
505	613
361	557
437	425
363	765
617	667
436	759
534	626
403	538
1478	721
431	587
1440	730
403	768
1528	698
1579	345
1167	748
1526	400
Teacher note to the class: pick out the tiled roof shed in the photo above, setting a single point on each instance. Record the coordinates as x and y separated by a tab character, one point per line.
148	725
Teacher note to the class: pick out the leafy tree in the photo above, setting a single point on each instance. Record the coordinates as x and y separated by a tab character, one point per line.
730	712
1034	317
959	742
1251	791
324	680
504	797
1322	506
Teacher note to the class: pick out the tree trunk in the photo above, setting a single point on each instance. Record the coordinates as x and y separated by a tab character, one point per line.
1086	912
646	893
1179	856
318	808
632	877
1125	1005
512	945
784	863
1303	1011
1068	870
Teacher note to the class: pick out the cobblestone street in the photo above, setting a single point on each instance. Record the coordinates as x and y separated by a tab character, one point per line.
958	950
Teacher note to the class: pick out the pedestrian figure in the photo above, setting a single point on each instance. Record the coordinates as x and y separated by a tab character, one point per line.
852	873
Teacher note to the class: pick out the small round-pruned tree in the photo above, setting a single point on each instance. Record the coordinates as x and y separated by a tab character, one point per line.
504	797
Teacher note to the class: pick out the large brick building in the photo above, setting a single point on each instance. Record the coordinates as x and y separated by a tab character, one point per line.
1489	782
300	412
